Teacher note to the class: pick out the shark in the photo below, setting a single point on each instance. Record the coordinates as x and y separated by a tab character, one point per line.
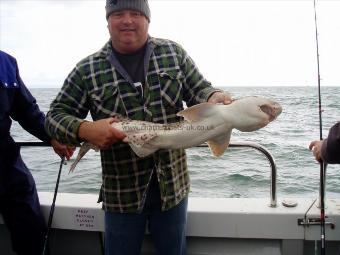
204	122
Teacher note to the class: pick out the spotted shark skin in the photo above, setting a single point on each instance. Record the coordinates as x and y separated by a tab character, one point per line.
205	122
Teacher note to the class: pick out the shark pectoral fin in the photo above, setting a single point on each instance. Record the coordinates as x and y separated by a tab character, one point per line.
142	152
139	139
138	143
198	112
219	144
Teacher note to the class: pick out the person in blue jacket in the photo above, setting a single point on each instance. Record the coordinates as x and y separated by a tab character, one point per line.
19	202
328	150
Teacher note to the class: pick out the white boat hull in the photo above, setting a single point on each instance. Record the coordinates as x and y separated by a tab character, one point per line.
216	226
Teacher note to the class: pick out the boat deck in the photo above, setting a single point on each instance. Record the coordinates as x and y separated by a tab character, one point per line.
221	226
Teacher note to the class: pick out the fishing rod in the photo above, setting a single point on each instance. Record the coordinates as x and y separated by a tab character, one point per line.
322	164
50	218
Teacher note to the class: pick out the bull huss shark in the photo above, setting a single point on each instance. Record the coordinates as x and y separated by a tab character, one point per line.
205	122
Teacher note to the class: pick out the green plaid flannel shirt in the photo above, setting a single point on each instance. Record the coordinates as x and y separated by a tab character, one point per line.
99	85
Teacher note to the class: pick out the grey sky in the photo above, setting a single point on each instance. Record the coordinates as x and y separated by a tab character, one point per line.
234	43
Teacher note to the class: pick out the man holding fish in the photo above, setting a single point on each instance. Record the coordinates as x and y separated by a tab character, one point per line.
147	79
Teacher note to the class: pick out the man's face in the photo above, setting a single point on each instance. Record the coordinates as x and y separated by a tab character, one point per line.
128	30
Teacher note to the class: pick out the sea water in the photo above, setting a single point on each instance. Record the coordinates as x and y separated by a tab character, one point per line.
240	172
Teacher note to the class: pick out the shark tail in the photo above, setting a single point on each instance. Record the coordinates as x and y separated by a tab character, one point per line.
85	147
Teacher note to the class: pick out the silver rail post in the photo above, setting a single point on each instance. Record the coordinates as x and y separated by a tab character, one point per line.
273	175
270	158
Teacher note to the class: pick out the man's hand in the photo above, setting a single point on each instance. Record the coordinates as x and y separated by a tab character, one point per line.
220	98
315	146
62	150
100	133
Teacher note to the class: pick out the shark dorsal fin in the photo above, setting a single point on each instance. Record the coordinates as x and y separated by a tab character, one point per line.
197	112
219	144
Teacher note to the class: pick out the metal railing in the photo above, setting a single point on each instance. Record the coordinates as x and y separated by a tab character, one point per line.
270	158
264	151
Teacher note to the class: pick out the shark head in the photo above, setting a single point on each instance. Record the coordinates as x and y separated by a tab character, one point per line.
254	113
272	109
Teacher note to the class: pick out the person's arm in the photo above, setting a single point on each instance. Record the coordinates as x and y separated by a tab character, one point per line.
315	146
65	120
196	88
27	112
220	98
330	150
68	110
100	133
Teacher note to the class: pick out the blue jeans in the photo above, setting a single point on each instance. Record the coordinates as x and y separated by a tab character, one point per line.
124	232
